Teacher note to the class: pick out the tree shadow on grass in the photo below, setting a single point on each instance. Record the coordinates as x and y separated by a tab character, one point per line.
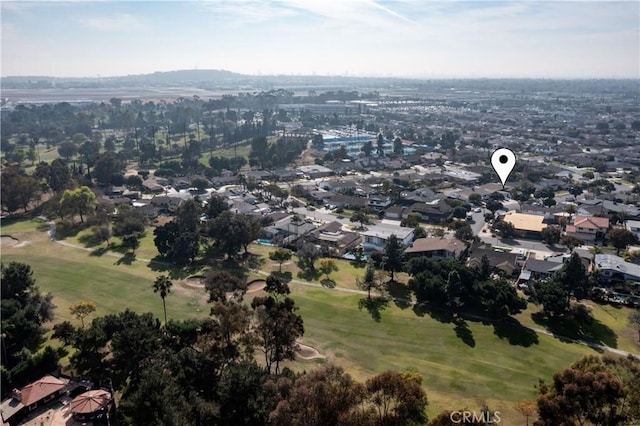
374	306
328	283
400	293
89	240
588	329
67	229
463	332
98	252
62	352
358	265
175	272
127	259
515	333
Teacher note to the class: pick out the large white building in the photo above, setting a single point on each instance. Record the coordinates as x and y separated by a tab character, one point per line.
376	236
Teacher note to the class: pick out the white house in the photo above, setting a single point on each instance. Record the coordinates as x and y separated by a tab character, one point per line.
633	226
614	269
376	236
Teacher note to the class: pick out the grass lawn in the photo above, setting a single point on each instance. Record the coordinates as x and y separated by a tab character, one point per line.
464	364
230	152
458	372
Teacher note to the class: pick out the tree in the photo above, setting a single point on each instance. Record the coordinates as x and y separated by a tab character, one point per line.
327	266
219	284
17	189
571	242
475	199
67	150
277	329
276	286
549	202
80	201
163	285
307	255
505	229
325	396
620	238
367	148
397	146
280	255
359	216
131	241
216	205
493	206
570	281
369	280
82	309
380	145
393	253
397	398
24	310
550	235
419	232
581	397
106	166
526	408
64	331
459	212
102	233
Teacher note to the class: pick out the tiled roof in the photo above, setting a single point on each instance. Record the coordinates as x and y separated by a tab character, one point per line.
40	389
591	222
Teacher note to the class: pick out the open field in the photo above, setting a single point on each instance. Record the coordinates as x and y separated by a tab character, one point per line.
464	363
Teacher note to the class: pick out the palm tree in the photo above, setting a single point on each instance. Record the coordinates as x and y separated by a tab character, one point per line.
163	286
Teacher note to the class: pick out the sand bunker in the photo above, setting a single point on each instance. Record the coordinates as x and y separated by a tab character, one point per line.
307	352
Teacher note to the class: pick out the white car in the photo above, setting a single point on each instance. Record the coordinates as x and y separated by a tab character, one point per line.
477	210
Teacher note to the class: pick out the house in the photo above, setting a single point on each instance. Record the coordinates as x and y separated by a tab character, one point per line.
396	212
332	235
436	248
539	269
315	171
30	397
614	269
166	204
433	212
507	263
376	236
633	226
288	229
526	225
346	201
379	202
588	228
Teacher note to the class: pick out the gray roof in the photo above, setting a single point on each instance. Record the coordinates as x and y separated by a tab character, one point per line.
616	263
543	266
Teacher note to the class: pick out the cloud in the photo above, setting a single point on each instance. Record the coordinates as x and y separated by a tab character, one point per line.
119	22
248	11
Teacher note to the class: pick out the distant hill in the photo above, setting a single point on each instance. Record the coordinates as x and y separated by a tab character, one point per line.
159	78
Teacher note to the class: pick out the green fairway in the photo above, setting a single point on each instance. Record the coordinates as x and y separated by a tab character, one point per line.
464	363
457	372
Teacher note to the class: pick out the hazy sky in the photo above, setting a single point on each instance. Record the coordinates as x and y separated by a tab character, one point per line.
412	38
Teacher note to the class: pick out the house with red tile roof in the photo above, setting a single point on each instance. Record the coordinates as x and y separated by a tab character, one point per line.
31	397
588	228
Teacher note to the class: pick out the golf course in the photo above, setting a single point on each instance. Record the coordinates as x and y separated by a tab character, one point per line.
466	363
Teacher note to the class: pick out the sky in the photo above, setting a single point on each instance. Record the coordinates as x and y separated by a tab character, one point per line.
394	38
